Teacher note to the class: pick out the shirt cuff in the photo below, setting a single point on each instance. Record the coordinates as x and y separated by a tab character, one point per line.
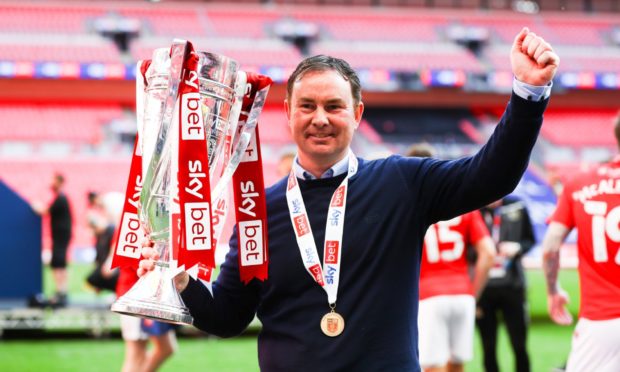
531	92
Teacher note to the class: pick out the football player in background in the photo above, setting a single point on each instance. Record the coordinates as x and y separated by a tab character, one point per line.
447	294
590	202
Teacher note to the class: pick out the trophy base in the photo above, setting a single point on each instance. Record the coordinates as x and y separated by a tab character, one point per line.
154	296
152	310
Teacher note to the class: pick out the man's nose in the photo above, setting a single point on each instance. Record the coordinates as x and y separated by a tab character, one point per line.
320	117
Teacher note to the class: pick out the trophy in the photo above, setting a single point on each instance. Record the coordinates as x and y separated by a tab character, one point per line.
154	296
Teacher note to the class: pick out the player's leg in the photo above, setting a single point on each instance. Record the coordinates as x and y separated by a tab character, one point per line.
135	343
433	334
486	321
516	317
60	243
461	332
164	343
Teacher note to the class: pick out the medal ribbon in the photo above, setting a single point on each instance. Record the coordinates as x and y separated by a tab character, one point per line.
327	275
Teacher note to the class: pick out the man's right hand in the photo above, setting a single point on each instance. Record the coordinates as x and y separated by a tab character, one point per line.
148	263
558	312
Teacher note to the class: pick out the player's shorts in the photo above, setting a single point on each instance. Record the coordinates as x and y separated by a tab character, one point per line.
446	330
60	242
131	329
596	346
155	328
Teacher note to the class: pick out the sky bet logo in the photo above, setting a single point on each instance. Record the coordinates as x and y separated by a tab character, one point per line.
338	198
251	242
197	227
334	218
331	251
130	237
301	225
315	270
329	275
191	122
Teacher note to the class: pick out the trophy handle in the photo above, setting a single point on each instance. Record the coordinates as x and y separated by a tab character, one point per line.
242	143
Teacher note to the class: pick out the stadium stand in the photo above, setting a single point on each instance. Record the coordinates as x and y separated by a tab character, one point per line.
578	128
44	17
427	66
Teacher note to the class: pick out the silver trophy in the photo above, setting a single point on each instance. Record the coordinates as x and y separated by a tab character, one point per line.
154	296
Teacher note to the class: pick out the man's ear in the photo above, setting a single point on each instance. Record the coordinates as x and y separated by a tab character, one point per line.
359	111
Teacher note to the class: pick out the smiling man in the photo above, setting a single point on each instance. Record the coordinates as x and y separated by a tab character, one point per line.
345	234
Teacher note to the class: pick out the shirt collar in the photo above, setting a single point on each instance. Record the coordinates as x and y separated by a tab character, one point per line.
337	169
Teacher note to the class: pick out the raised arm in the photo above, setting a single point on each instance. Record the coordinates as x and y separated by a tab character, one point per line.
459	186
556	296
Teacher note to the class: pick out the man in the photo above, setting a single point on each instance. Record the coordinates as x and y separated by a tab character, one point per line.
103	226
61	225
505	292
361	315
590	203
447	294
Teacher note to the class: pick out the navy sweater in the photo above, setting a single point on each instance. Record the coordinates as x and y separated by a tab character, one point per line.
390	204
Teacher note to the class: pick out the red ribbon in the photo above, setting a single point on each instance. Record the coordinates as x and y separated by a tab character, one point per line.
196	232
249	191
130	234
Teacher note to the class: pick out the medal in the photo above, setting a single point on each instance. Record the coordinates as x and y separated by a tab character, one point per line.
332	324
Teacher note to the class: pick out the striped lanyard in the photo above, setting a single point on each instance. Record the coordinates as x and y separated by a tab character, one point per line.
328	274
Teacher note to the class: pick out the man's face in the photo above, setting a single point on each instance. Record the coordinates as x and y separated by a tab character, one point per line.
322	116
56	185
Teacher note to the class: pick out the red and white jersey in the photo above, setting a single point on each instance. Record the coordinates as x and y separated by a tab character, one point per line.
444	265
591	203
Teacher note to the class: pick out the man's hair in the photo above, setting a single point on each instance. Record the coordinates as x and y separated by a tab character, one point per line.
421	150
92	196
58	177
323	63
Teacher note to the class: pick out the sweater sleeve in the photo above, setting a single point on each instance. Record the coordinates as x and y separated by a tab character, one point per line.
232	306
451	188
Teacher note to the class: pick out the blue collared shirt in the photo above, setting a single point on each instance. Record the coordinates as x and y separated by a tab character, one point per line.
335	170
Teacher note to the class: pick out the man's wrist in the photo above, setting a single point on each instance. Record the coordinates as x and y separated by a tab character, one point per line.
531	92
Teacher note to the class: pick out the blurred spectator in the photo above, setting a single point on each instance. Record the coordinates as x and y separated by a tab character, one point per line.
421	150
447	295
285	163
505	292
590	202
102	221
61	226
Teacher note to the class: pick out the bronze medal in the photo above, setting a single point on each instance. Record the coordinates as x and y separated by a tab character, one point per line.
332	324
